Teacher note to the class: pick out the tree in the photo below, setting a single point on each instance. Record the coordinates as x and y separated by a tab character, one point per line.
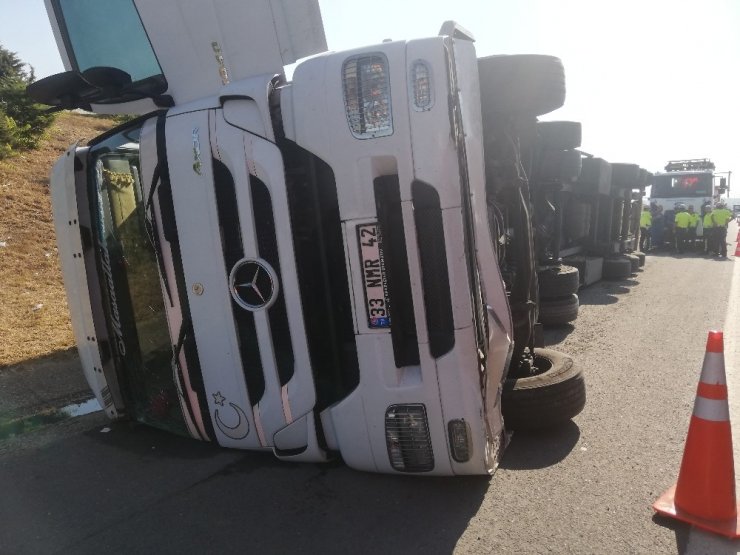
22	122
11	65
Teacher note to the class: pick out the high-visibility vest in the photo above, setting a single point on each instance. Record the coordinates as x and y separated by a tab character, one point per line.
720	217
646	218
682	220
708	220
694	219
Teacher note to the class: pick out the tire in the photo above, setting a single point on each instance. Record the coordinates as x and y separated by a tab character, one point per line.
563	166
558	281
634	262
641	257
577	221
625	176
555	312
644	180
596	176
522	84
559	135
547	399
616	268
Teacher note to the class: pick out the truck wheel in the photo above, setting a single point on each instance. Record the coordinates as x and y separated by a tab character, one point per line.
559	165
521	84
625	176
596	176
616	268
554	312
554	394
577	221
558	281
641	257
559	135
634	262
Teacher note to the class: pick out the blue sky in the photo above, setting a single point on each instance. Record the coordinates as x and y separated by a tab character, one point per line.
650	80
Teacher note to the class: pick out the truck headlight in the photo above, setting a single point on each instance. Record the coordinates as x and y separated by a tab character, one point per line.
367	96
407	437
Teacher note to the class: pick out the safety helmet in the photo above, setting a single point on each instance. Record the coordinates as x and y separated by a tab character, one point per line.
680	207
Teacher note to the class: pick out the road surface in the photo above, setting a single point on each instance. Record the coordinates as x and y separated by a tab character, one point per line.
86	486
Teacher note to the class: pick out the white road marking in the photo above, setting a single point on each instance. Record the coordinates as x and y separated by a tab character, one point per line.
702	542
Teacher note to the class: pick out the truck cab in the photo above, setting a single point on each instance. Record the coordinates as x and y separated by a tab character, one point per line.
311	267
690	182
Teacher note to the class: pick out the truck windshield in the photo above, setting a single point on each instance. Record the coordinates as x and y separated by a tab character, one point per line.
135	307
682	185
107	33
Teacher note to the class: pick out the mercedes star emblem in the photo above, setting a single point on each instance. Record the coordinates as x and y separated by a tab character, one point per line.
253	284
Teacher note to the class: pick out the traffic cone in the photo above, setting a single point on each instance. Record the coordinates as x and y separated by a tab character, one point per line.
705	492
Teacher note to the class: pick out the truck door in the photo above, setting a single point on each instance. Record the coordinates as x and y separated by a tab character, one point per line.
72	220
175	52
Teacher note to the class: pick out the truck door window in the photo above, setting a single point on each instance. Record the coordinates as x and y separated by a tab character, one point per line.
135	302
107	33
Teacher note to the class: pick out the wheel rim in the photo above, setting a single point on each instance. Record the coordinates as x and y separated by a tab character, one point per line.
539	366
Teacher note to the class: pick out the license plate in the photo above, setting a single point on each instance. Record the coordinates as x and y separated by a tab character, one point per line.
373	276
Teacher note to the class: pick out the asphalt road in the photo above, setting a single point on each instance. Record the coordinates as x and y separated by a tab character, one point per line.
586	488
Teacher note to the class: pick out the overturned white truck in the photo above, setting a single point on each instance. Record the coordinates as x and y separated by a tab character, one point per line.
585	215
312	267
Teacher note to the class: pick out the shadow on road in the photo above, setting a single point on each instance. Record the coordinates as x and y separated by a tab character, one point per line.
135	489
679	528
553	335
51	380
664	253
604	292
693	541
532	450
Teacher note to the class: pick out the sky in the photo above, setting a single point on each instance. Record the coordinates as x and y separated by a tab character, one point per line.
650	80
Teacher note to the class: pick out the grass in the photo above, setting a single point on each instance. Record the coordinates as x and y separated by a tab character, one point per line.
34	317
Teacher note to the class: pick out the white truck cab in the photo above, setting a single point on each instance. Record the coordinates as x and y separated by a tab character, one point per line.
310	267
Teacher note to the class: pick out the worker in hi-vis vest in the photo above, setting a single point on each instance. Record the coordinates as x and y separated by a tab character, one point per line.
646	220
709	242
693	223
681	227
721	216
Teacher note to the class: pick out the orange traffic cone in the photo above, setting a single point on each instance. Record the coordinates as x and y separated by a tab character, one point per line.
705	492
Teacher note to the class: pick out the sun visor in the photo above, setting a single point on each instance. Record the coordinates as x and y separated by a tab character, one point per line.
184	49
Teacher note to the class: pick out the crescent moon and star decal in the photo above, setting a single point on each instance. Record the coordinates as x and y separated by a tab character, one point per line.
240	430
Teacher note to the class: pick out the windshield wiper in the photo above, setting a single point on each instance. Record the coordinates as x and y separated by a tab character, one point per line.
150	223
